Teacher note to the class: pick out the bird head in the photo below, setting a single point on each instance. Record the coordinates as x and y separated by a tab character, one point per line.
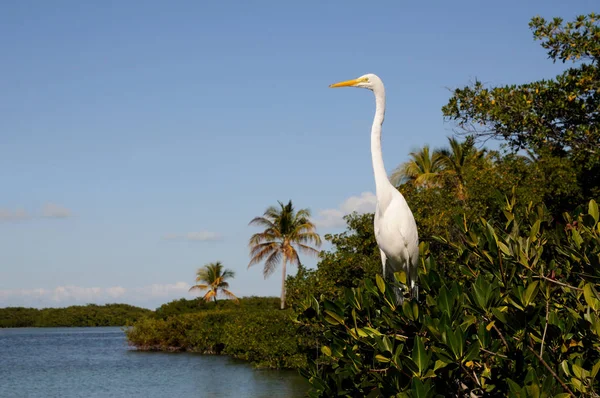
368	81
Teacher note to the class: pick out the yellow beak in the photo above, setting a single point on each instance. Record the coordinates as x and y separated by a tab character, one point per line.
347	83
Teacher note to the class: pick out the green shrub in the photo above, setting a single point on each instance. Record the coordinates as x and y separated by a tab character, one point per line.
265	336
185	306
520	319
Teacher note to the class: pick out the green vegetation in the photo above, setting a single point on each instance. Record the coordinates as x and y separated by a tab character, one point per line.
74	316
510	253
517	313
254	330
286	232
557	116
213	278
185	306
354	256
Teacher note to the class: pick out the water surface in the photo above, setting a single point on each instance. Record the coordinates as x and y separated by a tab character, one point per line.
97	362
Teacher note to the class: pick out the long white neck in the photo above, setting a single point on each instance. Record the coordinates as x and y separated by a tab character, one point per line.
382	184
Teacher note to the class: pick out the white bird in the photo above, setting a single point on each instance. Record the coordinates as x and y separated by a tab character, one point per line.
395	227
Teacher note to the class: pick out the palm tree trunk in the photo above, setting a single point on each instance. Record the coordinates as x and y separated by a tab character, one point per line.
283	282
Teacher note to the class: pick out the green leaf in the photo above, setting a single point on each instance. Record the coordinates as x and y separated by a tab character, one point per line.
335	317
514	387
380	283
445	301
564	365
473	352
375	393
381	358
419	355
577	239
499	314
410	365
357	332
439	364
593	210
387	344
595	369
407	310
530	293
369	286
590	297
577	384
418	389
533	390
482	290
535	228
491	238
400	276
326	350
504	248
455	341
372	331
579	372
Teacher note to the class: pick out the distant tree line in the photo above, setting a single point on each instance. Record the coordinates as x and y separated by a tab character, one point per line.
73	316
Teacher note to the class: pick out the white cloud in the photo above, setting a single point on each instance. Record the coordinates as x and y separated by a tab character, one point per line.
13	215
62	296
116	291
49	210
52	210
162	291
199	236
333	218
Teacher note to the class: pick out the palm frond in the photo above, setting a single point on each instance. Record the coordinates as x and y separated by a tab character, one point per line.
423	168
308	249
228	274
308	237
271	263
291	254
198	287
210	294
259	252
303	214
264	236
232	296
262	222
224	285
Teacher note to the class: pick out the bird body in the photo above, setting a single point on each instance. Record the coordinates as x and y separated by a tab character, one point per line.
398	240
395	227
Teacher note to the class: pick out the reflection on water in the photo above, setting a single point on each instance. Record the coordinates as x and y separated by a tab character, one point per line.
97	362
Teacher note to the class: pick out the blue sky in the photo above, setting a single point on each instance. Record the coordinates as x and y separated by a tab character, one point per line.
138	139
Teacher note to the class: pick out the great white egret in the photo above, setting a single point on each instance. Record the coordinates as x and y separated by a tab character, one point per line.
395	227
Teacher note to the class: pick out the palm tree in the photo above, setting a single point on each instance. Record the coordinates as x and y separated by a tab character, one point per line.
422	169
457	159
212	277
285	233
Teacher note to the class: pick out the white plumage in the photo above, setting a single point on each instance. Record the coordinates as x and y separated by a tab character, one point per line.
395	227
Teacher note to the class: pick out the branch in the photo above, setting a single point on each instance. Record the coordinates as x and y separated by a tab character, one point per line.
556	282
470	375
379	370
501	335
494	354
545	327
551	371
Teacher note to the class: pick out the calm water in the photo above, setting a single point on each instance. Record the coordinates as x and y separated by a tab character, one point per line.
96	362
